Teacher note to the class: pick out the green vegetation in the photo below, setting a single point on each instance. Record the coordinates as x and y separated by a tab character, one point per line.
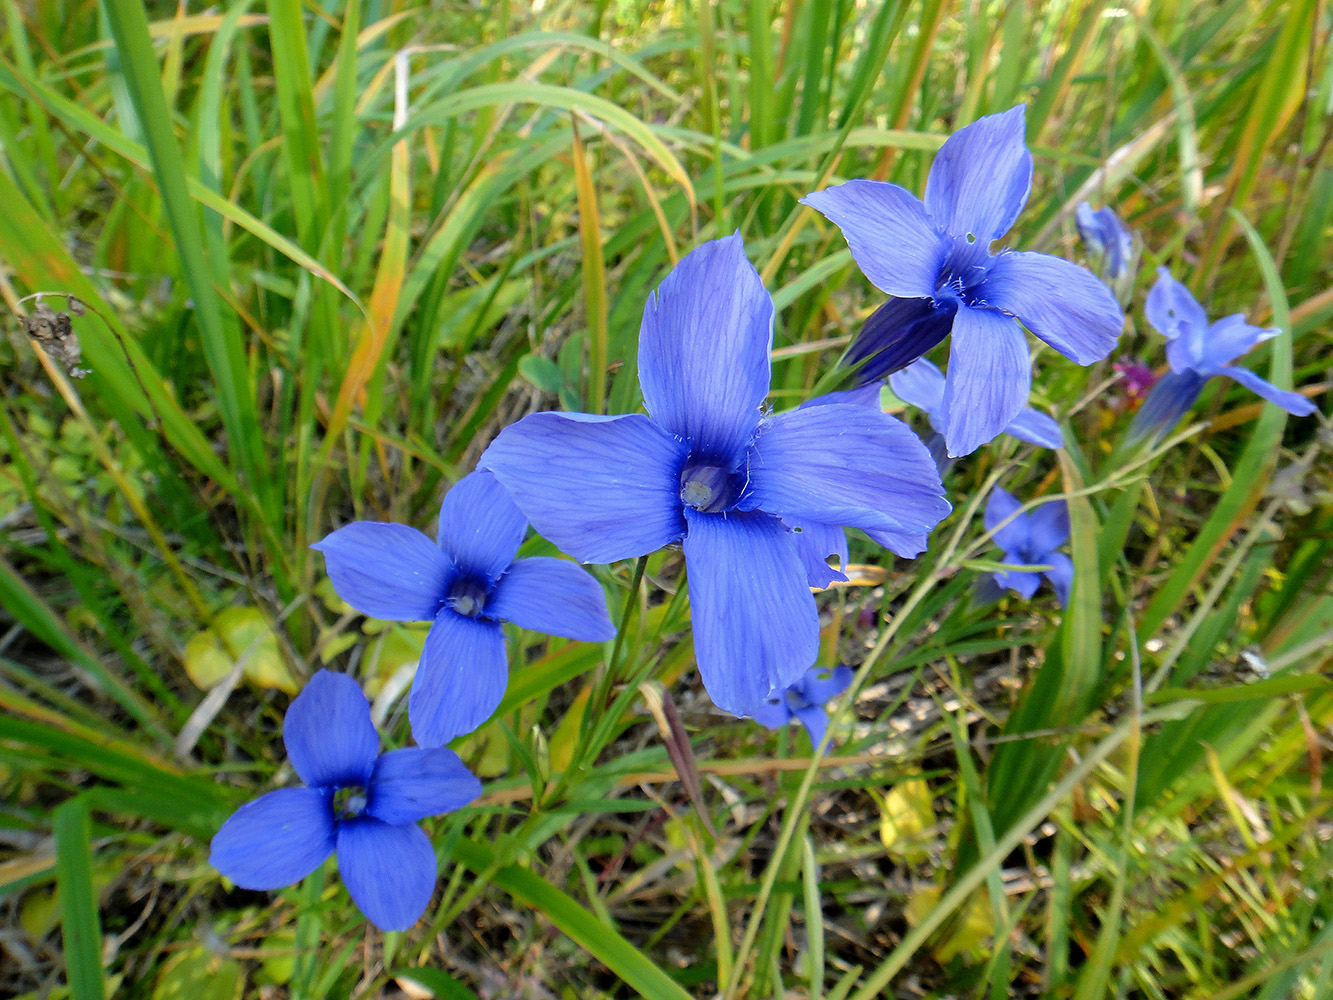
324	252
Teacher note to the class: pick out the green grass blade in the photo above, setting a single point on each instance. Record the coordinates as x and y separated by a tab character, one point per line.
78	903
605	943
221	340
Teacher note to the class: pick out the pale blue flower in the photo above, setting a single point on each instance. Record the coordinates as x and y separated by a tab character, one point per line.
1031	539
806	700
465	585
1197	351
363	804
938	251
709	469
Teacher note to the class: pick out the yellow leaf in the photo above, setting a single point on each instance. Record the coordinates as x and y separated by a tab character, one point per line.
396	646
566	735
906	816
246	633
968	933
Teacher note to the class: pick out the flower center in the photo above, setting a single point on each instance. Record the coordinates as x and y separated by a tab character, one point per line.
349	802
963	273
709	488
796	700
467	597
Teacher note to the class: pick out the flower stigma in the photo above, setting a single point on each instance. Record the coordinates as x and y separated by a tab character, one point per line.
467	597
709	489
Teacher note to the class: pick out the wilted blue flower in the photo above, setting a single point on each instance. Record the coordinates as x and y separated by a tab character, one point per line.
708	468
922	385
938	252
363	804
1031	539
1112	247
466	586
805	700
1196	351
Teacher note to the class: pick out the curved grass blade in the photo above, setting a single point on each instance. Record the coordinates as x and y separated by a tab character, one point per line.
602	942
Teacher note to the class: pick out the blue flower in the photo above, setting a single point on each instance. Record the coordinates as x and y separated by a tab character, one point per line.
1196	351
938	252
1031	539
922	385
709	469
805	700
1113	248
465	586
363	804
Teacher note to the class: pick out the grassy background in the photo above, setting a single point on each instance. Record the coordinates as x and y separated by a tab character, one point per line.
328	251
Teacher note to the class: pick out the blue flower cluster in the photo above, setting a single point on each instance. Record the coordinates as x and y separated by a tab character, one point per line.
757	500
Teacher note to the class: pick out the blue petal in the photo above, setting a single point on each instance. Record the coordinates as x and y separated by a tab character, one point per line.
1168	400
898	542
389	871
276	840
1229	338
815	543
1176	314
461	679
845	465
387	571
1025	584
1036	428
1061	575
756	629
411	784
921	384
329	736
1048	526
772	714
1065	305
601	489
819	687
815	720
480	526
553	596
896	334
1293	402
704	349
999	506
990	374
891	237
866	395
981	177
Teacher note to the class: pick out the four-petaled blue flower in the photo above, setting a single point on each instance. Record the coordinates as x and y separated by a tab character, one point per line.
1196	351
1031	539
466	586
707	467
922	385
805	700
1112	247
363	804
939	253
